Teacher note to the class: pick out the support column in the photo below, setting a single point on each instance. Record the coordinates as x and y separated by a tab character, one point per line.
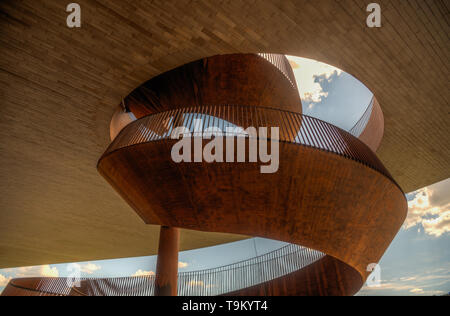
167	264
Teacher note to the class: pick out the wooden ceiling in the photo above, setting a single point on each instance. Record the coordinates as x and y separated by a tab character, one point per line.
60	86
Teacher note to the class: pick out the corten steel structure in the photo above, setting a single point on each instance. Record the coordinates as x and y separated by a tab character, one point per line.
326	176
60	86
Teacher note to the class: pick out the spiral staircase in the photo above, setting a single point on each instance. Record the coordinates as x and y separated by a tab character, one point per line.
331	197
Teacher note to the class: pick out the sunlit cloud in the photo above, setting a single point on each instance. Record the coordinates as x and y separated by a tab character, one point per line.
88	268
406	279
438	226
416	291
143	273
400	288
419	208
430	207
419	291
293	64
308	74
4	280
36	271
426	283
182	264
47	271
394	286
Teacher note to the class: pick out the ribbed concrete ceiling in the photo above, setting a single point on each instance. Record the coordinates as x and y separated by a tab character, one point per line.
60	86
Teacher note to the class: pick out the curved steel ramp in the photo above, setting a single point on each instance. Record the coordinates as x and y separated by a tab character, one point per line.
330	193
280	264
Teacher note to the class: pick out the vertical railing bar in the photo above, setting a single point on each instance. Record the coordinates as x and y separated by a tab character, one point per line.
188	119
342	148
282	125
316	132
302	138
169	118
308	131
333	143
291	133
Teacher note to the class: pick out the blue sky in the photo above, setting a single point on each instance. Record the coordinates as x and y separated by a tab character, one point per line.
418	260
329	93
416	263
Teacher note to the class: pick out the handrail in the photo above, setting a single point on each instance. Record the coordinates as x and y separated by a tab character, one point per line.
294	128
212	281
361	124
282	63
250	272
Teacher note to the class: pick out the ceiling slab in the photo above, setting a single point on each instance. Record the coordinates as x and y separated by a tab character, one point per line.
60	86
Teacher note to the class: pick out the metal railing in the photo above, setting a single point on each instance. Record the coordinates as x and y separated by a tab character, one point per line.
247	273
283	65
293	128
214	281
359	126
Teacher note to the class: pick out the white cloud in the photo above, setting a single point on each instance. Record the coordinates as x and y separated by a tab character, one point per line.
143	273
423	284
406	279
433	277
36	271
430	208
419	207
439	225
4	280
305	71
182	264
88	268
47	271
416	291
435	292
395	286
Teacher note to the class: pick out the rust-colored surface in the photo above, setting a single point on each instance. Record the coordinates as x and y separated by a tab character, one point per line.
223	79
329	192
326	277
119	120
59	88
250	79
372	134
290	270
27	287
167	264
316	199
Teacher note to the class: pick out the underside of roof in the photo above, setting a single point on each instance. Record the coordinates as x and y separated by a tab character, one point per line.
59	87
